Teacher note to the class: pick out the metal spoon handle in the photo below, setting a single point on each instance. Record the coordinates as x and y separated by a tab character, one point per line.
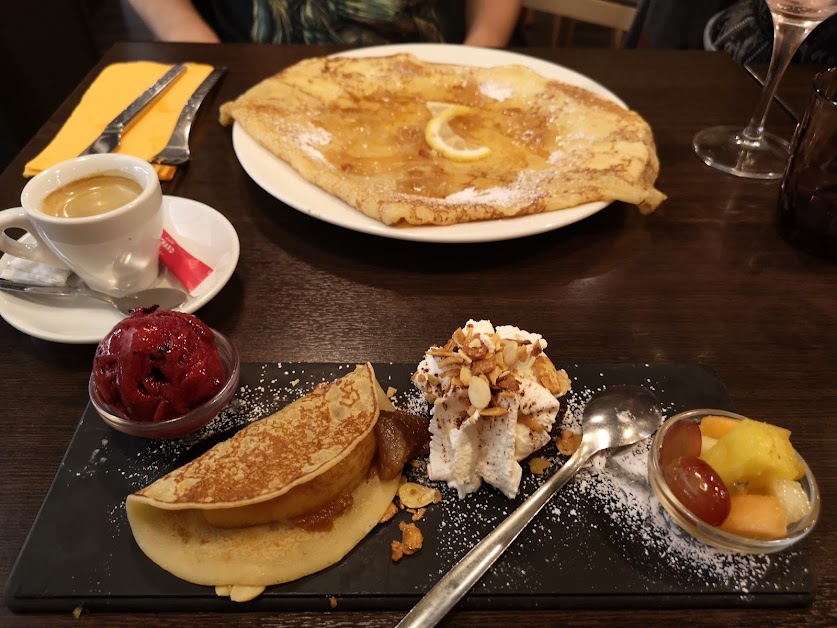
458	581
58	291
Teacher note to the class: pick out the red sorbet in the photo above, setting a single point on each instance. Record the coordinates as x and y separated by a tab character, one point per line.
157	365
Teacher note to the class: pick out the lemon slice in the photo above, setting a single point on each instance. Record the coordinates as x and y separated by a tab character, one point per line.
443	139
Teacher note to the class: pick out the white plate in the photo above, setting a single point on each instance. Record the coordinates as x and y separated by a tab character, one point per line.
198	228
280	180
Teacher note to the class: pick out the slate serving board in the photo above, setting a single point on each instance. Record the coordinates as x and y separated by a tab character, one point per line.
603	541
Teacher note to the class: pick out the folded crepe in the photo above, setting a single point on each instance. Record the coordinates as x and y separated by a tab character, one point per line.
116	87
250	511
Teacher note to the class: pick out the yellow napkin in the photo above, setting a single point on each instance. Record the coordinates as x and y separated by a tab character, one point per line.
116	87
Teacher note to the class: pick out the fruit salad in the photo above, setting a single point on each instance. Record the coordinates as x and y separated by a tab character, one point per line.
740	475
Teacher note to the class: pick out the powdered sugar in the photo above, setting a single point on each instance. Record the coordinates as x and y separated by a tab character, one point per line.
608	512
309	137
523	189
607	515
497	91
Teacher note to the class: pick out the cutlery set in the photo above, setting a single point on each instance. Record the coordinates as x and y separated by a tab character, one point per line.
176	151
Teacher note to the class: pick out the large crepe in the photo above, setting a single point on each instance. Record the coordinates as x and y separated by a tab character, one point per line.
356	128
268	467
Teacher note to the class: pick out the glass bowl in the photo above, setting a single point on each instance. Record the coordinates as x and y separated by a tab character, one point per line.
187	423
712	535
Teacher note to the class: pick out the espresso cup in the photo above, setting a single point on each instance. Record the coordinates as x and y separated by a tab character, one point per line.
99	216
808	193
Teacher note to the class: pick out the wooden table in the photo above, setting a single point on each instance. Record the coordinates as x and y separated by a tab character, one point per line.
706	279
794	89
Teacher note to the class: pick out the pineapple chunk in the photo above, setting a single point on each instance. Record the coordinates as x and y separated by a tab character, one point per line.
756	517
792	497
716	426
707	443
755	454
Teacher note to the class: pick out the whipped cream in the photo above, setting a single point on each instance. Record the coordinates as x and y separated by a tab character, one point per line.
481	430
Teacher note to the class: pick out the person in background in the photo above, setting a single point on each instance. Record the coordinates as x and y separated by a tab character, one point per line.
744	30
488	23
741	28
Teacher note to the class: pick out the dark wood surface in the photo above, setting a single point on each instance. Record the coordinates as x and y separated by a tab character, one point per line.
794	89
706	279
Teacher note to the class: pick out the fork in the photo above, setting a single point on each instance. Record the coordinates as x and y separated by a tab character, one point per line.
177	151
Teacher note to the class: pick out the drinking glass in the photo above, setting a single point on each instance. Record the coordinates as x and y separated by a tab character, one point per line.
752	152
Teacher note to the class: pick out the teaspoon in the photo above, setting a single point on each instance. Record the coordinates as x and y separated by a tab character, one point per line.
166	298
615	417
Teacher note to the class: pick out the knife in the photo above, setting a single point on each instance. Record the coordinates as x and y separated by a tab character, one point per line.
176	150
112	135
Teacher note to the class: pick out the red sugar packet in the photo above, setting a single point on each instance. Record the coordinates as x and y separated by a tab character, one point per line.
189	270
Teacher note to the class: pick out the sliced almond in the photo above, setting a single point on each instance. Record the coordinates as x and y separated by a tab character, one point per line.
465	375
494	411
451	359
547	374
411	537
479	393
389	513
568	442
413	495
507	382
509	353
528	421
494	374
411	541
538	465
475	349
449	373
391	392
482	366
396	551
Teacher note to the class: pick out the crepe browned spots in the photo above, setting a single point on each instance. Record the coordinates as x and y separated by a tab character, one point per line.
356	128
230	518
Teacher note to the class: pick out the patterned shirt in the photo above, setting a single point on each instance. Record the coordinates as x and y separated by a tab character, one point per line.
351	22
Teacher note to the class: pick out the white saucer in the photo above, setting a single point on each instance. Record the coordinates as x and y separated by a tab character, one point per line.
198	228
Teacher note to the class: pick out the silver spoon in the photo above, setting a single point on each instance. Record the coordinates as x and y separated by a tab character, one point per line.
615	417
166	298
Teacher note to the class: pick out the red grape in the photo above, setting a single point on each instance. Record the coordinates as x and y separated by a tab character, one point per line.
699	488
682	439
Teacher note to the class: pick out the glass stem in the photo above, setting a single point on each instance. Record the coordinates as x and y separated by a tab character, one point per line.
787	37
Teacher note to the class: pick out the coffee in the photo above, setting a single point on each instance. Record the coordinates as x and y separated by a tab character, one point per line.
91	196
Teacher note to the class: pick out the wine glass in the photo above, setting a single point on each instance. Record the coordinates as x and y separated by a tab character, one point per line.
752	152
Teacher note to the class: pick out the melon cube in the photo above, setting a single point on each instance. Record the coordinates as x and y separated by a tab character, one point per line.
756	517
755	454
793	498
716	426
